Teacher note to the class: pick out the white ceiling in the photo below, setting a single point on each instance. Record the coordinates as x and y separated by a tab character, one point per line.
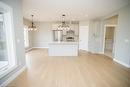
51	10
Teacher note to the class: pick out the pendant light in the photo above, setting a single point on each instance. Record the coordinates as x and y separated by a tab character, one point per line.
64	25
32	27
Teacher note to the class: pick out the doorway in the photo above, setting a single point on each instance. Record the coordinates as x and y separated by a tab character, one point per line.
109	34
83	38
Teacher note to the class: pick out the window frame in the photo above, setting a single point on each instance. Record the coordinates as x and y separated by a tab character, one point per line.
26	37
10	39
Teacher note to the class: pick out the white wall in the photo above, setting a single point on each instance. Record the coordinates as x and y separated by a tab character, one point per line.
95	36
84	23
122	46
112	20
16	5
43	36
28	23
1	17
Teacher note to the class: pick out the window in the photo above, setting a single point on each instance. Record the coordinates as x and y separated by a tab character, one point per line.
3	44
7	43
26	38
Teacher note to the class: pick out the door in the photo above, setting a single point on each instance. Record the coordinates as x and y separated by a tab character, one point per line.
83	38
109	39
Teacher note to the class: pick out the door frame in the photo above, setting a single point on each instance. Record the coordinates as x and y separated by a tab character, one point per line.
104	35
10	36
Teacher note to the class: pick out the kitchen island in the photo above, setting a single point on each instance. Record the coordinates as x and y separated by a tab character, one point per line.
63	49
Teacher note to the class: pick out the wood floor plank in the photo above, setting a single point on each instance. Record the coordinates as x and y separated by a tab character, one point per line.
86	70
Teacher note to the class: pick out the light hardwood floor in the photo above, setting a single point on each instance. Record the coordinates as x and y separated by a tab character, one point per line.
87	70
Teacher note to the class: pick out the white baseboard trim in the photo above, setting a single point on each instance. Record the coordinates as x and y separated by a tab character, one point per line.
36	48
29	49
91	52
95	52
11	78
100	52
122	63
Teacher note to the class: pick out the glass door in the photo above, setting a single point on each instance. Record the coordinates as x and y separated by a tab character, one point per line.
8	60
3	44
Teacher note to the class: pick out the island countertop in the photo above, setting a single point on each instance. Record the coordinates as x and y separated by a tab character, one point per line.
63	43
63	49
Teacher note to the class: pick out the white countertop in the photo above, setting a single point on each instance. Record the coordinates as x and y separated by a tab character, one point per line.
63	49
63	43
